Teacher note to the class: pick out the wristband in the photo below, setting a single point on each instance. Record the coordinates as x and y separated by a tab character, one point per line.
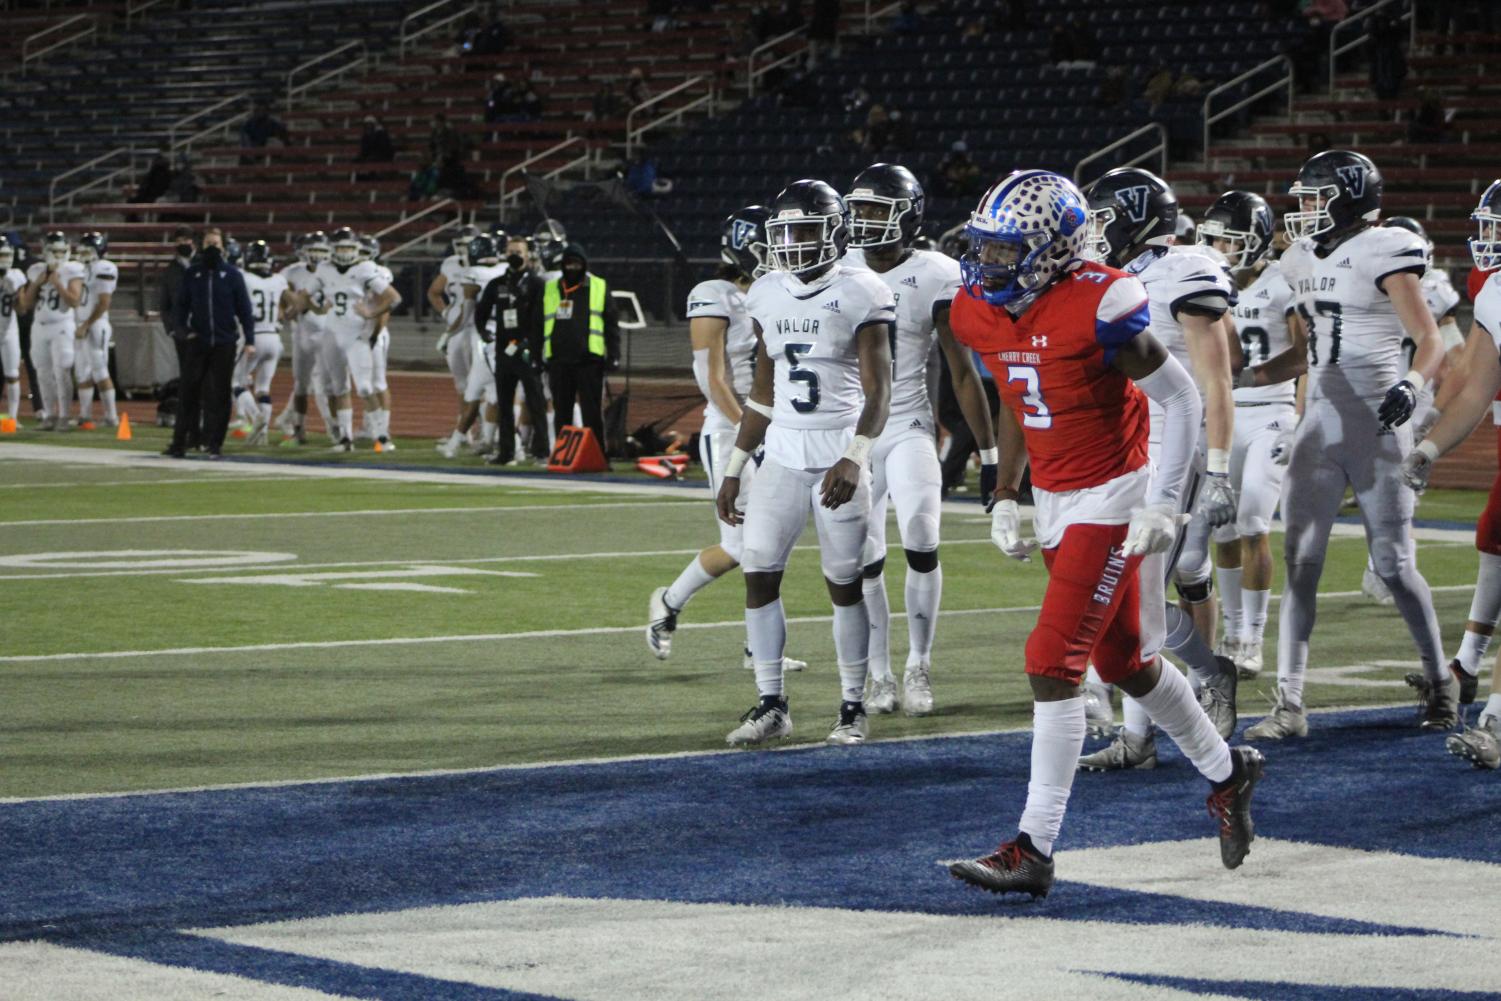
759	408
1416	378
990	456
738	458
1429	449
1219	462
859	450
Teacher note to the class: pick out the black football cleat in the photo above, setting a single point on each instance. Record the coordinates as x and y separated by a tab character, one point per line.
1231	806
1437	712
1013	868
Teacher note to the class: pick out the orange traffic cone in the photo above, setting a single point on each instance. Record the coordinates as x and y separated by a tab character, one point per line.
124	433
7	424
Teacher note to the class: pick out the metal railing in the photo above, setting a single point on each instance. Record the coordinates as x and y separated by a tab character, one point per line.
84	25
132	156
293	90
1283	82
551	151
1159	151
634	133
408	34
872	15
426	237
754	73
1336	50
172	130
134	8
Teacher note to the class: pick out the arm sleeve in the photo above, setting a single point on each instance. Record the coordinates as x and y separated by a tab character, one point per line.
1172	388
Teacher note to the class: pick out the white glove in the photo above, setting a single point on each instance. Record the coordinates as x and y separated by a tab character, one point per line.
443	344
1217	500
1006	530
1418	466
1153	529
1282	445
1420	428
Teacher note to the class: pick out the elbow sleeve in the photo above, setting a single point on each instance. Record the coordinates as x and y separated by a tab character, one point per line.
1171	388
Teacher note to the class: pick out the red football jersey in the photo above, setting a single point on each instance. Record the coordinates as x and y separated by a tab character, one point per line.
1085	423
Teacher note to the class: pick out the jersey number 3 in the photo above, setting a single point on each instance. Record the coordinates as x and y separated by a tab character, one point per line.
1035	413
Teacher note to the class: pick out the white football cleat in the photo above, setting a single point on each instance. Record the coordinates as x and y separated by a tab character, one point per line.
1249	664
852	728
661	622
881	696
768	719
343	445
448	447
257	437
917	689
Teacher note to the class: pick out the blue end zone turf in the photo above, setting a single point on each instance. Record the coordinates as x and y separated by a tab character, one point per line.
854	829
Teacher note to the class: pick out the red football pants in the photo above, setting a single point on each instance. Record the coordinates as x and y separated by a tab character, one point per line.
1488	528
1090	612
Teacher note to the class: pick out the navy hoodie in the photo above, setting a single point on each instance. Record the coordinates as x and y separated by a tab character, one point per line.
213	300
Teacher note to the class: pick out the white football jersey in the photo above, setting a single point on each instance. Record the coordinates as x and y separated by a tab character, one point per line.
479	275
1354	335
453	292
265	300
1260	317
11	284
102	279
344	288
389	278
1439	293
1189	274
303	278
50	310
922	280
723	300
809	333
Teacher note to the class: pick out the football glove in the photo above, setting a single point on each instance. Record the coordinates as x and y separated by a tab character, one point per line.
1425	423
1398	405
1282	445
1417	466
1217	500
1153	529
443	344
1006	530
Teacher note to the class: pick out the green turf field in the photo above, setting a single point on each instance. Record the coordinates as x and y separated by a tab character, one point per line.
307	626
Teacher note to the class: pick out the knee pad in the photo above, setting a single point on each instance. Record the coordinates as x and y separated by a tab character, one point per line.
1252	524
1179	627
263	398
923	562
364	389
1195	593
920	533
841	571
874	570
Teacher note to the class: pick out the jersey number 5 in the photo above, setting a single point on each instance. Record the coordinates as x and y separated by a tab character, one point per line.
809	378
1035	413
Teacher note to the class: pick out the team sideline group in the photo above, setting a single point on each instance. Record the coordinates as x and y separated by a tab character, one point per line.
1169	399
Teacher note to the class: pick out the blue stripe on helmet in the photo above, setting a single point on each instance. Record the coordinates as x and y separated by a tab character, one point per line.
1011	184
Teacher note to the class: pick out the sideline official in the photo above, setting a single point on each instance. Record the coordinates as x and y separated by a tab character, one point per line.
511	307
213	311
580	338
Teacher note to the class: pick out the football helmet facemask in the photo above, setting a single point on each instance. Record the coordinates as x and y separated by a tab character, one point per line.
885	206
1485	245
55	249
1338	192
742	241
1244	221
808	228
1028	229
258	258
346	247
1129	208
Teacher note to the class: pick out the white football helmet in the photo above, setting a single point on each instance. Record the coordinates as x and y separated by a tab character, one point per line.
346	247
1029	228
55	250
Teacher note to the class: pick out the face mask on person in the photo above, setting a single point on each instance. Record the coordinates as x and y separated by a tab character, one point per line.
573	271
515	262
213	256
184	250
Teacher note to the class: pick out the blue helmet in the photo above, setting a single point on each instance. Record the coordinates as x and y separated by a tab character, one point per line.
1028	228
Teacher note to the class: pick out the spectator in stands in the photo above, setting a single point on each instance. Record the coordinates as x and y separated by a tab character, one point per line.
1430	123
503	102
1159	86
1113	87
641	174
660	15
580	339
215	313
424	182
375	146
973	31
788	17
1074	46
158	178
636	91
760	23
1309	54
957	174
261	127
443	141
184	186
608	104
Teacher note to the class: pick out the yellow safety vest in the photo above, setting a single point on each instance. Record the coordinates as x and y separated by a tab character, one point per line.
553	295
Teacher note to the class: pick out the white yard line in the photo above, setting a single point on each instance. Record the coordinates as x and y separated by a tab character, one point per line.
144	482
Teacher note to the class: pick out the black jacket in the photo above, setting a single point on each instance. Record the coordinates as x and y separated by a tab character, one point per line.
170	295
510	310
213	302
570	337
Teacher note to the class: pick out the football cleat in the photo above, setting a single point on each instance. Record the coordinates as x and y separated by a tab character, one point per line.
1099	717
342	445
1126	751
287	422
448	448
661	623
384	444
298	436
257	437
1469	684
768	719
881	696
1285	720
1479	745
1231	806
853	726
1013	868
1217	697
1437	711
1373	587
1228	647
1249	663
917	689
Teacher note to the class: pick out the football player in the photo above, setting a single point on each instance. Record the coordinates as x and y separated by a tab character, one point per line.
1462	409
819	399
1133	226
12	281
1239	226
724	349
354	294
380	352
93	331
485	265
307	336
1076	366
54	290
270	300
1358	287
886	209
446	296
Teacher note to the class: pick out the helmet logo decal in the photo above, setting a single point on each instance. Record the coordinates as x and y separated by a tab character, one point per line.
742	234
1353	176
1134	200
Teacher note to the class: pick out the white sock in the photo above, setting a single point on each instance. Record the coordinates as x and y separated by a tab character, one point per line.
1492	708
456	439
487	435
852	648
380	423
1057	739
1253	606
265	411
524	438
552	426
1230	601
766	631
245	405
1137	721
85	402
924	591
13	398
326	412
1471	651
692	580
878	608
346	424
108	396
1172	706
